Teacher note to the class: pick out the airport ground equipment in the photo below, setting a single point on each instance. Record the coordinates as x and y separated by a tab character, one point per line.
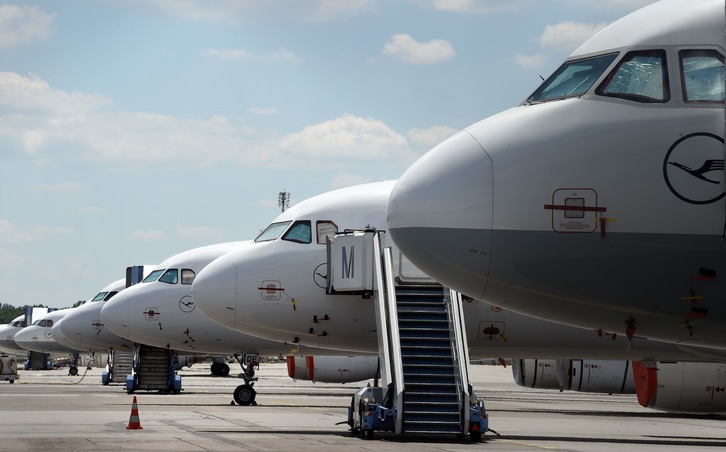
423	355
120	364
8	368
38	361
154	370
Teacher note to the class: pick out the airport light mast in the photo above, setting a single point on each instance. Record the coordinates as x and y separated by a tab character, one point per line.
283	199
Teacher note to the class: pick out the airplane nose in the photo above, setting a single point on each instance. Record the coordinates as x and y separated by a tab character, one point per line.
115	315
214	291
70	327
440	214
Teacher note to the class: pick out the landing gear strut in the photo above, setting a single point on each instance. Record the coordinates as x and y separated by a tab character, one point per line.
245	394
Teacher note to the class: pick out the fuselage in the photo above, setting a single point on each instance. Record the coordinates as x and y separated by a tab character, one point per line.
161	312
38	337
83	329
598	202
275	288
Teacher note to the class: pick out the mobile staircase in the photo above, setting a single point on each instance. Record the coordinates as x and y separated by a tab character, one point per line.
423	355
153	369
120	364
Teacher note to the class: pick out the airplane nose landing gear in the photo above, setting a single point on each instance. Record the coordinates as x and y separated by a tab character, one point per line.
245	394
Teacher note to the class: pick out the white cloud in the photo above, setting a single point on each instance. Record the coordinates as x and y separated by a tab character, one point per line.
33	93
10	233
198	233
262	111
474	6
346	138
132	139
254	10
242	54
62	187
343	180
411	51
24	24
567	36
430	137
530	61
148	234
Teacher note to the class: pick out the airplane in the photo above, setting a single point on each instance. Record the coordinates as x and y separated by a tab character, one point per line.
161	312
83	330
7	335
597	202
275	288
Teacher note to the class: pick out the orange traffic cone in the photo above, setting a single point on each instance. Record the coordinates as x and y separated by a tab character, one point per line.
134	423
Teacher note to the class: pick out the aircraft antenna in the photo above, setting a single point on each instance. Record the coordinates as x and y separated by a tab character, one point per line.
283	199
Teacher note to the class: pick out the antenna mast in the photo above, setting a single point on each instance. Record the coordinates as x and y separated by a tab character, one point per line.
283	199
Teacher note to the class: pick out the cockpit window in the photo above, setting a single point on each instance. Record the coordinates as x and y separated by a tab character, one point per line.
641	76
100	296
44	323
110	295
20	323
153	276
170	276
187	276
702	76
272	231
299	232
573	78
325	229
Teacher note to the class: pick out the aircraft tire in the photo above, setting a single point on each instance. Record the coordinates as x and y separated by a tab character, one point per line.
245	395
73	370
220	369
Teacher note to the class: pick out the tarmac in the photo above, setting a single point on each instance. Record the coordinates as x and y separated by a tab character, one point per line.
51	410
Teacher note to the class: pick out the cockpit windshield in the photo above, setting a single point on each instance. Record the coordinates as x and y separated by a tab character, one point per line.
100	296
272	231
573	78
300	232
153	276
170	276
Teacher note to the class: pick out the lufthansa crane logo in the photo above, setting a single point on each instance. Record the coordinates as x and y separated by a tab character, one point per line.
693	168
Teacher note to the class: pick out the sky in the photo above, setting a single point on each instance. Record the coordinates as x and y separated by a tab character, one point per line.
133	130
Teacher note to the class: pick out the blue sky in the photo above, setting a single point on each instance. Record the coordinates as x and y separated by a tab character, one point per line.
132	130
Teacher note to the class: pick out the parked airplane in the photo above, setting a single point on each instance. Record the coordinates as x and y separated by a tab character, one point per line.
276	288
83	330
160	312
599	201
7	335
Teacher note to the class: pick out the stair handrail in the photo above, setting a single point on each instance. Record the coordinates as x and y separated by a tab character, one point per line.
381	311
395	338
456	322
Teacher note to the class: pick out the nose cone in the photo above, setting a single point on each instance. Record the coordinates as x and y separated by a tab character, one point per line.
214	291
62	338
440	214
115	315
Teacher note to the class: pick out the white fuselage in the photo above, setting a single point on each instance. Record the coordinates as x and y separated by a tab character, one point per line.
597	210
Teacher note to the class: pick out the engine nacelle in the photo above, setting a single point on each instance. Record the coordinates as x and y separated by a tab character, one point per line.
332	369
536	373
681	387
599	376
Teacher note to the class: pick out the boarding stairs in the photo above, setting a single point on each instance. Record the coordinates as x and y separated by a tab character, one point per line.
120	364
38	361
432	400
423	355
153	370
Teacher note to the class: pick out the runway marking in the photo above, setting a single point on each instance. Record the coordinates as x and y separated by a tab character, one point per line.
525	444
